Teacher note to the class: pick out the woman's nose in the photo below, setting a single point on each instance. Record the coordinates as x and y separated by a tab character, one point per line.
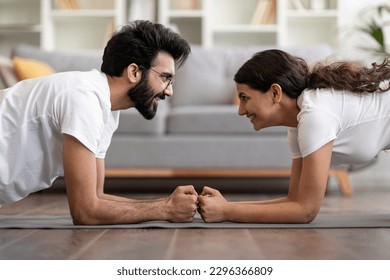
241	109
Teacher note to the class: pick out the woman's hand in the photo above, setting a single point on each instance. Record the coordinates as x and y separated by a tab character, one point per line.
212	206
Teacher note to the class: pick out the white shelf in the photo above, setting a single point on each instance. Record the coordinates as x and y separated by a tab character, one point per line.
84	29
82	13
210	23
312	14
186	13
228	23
20	22
52	25
245	28
20	28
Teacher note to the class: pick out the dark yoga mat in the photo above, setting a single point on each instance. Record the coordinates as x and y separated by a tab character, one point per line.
322	221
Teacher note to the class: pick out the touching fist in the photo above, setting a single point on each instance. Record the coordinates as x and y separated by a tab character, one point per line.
212	206
182	204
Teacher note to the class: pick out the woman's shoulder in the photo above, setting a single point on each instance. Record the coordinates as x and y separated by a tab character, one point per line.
319	98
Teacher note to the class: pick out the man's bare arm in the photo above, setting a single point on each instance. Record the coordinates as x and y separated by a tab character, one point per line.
89	205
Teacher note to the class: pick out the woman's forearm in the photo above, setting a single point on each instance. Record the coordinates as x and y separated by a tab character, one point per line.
279	212
263	202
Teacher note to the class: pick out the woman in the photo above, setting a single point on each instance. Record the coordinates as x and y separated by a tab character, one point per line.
337	113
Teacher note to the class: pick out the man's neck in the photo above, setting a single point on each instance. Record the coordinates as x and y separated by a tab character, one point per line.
119	88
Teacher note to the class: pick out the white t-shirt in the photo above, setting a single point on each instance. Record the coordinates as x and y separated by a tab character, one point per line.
359	125
34	115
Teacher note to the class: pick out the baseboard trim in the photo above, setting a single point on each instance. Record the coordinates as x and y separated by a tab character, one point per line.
340	174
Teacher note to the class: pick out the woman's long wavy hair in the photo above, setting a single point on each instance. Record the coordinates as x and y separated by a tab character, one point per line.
293	74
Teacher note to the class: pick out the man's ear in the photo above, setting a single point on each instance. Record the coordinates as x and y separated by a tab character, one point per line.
133	73
277	92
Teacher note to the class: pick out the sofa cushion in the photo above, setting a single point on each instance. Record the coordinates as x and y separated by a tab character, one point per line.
207	76
132	122
30	68
199	152
60	61
212	120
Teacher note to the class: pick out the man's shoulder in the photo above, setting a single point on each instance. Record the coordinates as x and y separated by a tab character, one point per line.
82	77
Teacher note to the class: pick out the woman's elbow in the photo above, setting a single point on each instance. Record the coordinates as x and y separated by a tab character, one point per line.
308	214
308	219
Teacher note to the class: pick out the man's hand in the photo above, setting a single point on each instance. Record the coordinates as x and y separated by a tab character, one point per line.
182	204
212	206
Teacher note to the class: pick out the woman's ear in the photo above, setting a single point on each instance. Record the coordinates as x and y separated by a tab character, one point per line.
277	92
133	73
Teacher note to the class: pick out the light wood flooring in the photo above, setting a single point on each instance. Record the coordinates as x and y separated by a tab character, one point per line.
186	244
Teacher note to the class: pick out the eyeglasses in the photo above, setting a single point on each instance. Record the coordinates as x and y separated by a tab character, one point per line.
167	78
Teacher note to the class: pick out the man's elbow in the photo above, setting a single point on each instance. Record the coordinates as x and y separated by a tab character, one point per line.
83	216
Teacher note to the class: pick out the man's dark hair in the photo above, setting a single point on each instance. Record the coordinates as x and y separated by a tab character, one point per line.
140	42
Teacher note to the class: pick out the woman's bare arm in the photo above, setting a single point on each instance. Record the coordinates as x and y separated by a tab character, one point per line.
307	188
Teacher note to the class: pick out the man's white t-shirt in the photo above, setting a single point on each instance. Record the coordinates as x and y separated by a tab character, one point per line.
359	125
34	115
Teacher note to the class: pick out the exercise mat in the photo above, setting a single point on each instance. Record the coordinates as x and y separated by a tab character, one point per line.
321	221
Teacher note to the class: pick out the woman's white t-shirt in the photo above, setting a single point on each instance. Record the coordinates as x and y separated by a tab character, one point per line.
34	115
359	125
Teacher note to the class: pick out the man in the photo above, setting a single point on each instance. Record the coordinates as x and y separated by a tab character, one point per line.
62	125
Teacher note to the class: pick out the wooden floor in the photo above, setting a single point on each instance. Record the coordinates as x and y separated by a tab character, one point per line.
186	244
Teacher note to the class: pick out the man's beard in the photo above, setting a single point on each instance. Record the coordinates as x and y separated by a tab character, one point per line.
144	99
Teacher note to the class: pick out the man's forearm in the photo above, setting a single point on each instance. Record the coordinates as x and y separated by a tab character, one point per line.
126	199
119	210
180	206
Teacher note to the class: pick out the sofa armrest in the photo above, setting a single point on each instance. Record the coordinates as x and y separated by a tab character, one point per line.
7	75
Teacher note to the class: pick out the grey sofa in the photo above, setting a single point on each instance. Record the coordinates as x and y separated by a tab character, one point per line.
199	128
198	131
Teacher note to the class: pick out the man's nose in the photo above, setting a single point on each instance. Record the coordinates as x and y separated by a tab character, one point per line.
169	91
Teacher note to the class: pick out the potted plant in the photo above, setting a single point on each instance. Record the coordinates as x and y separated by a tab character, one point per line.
374	27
